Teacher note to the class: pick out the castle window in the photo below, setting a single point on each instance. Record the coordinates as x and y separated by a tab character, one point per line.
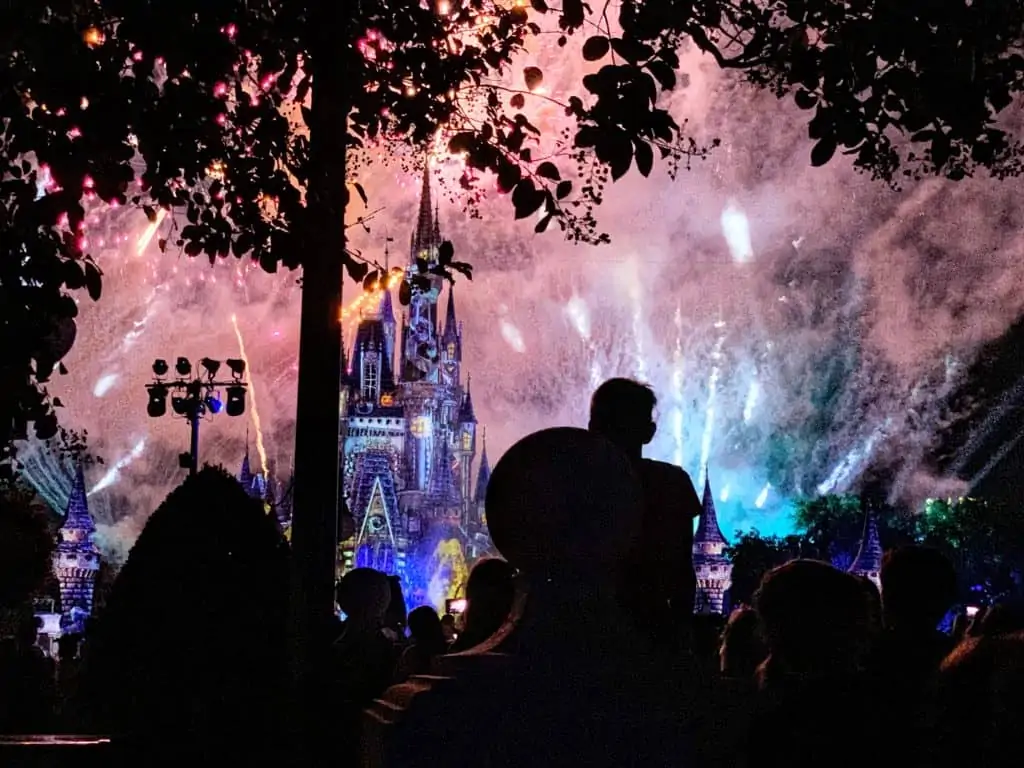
370	378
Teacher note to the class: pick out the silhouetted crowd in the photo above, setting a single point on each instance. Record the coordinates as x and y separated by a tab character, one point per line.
578	647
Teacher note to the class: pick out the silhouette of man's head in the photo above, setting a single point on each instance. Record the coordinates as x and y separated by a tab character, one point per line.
564	502
918	587
814	618
490	591
622	410
364	595
426	629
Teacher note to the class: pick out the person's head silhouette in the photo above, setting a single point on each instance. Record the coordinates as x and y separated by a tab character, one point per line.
918	587
562	506
363	595
622	410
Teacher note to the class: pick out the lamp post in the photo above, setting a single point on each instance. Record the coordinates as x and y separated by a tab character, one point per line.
194	393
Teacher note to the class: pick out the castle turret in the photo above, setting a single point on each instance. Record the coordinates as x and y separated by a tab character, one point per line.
868	562
712	567
444	489
451	345
483	477
76	561
465	449
254	484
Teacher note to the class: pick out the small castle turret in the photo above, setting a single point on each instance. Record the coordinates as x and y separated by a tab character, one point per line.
868	562
76	561
711	566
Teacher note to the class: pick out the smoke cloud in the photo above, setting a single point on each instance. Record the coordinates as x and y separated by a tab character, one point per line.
849	310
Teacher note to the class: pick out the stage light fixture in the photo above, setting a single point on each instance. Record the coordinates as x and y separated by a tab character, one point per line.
183	367
237	367
160	368
210	366
180	405
157	401
236	400
213	402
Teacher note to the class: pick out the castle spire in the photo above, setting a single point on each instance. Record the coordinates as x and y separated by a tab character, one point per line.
451	326
77	517
245	476
466	413
708	531
424	237
483	475
868	561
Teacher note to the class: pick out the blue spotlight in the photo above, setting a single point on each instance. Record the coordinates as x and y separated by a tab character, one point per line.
213	402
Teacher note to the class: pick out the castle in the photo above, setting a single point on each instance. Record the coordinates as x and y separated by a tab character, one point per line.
710	564
76	560
409	435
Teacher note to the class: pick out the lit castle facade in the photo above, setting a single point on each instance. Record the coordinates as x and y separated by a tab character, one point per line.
76	561
710	564
409	437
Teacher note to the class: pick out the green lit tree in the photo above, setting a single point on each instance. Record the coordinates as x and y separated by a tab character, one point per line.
984	540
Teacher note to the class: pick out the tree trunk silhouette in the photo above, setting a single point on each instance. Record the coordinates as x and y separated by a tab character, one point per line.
314	521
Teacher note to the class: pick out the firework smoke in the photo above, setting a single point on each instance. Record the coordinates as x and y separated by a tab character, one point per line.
808	315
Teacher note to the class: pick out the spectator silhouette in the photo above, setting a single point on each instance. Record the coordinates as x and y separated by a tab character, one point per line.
816	624
490	591
577	686
449	628
1002	619
979	713
395	618
660	582
189	655
742	649
364	657
428	642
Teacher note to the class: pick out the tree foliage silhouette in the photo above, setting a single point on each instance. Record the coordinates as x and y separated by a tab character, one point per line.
26	545
208	113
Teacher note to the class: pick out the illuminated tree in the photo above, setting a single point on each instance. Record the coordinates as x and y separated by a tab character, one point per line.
984	540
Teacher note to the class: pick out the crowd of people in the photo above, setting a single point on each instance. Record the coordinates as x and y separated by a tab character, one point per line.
578	646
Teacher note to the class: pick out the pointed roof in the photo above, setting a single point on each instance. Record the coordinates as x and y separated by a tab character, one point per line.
451	326
423	238
869	556
386	310
245	476
707	527
76	516
466	413
483	475
443	488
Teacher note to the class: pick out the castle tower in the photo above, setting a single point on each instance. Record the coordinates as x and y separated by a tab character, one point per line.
451	345
465	448
386	312
712	567
444	489
483	477
76	561
868	561
252	483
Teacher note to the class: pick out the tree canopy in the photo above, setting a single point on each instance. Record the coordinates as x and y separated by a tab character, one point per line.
209	113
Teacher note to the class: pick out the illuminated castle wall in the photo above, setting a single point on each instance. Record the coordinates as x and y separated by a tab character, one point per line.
409	437
76	561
